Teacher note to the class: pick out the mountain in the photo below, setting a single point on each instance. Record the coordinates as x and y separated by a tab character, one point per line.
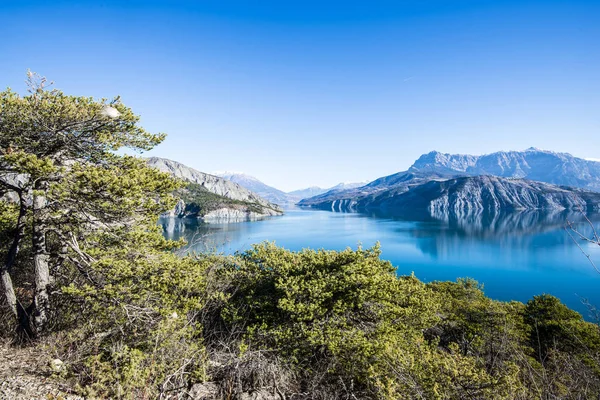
465	195
346	186
211	198
357	198
533	164
423	185
488	194
263	190
317	191
275	195
307	192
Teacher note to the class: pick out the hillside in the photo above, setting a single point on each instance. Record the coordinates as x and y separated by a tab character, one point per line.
487	193
213	199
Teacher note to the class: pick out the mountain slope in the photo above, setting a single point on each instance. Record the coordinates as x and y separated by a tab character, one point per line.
489	194
211	198
356	198
263	190
533	164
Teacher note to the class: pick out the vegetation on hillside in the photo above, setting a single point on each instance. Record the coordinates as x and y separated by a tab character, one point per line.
199	201
87	269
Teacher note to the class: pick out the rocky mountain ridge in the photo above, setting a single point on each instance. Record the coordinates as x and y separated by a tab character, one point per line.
467	195
533	164
446	183
213	199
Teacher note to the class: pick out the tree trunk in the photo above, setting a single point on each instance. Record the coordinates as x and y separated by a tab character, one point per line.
9	293
11	257
41	262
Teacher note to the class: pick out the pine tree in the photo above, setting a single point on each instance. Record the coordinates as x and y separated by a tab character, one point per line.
63	184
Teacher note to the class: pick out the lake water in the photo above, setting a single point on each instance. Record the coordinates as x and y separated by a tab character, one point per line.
515	255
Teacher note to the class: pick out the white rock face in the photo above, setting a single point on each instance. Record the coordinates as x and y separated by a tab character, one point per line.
227	215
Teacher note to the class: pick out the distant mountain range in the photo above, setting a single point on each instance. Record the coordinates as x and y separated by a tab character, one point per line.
275	195
533	164
307	192
455	183
265	191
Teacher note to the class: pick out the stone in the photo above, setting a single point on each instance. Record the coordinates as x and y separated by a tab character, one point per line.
204	391
57	365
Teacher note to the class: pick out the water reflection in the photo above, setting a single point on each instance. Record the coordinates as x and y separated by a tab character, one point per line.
439	236
515	255
202	237
530	231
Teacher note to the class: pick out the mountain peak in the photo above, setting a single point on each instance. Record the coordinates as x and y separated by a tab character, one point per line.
449	162
532	163
231	173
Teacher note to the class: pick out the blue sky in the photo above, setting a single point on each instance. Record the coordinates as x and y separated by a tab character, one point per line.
301	93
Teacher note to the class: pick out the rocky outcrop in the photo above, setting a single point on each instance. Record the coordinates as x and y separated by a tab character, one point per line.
213	199
490	194
213	184
227	214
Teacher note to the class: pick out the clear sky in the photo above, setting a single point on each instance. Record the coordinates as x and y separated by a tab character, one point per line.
302	93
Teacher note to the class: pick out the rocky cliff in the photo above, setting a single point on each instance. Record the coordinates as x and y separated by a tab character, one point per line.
213	199
466	195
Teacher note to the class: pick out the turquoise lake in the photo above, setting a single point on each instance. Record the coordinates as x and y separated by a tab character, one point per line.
514	255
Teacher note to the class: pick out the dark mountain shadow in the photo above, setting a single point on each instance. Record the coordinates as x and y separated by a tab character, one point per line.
447	233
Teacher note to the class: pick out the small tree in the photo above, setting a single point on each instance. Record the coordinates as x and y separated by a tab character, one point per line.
63	185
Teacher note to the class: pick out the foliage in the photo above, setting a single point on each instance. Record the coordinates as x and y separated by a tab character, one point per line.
347	325
141	338
325	309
